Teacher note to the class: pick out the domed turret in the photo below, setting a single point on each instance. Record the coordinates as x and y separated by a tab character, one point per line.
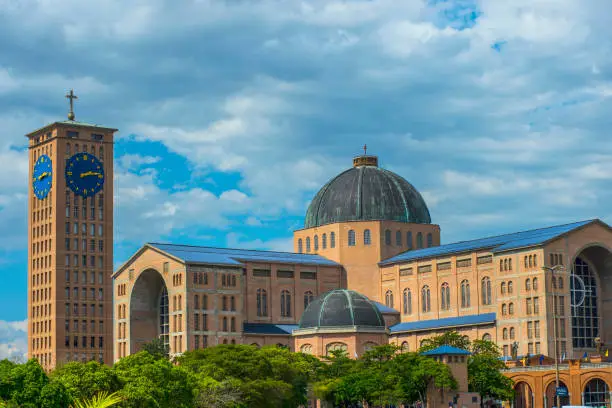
367	193
341	307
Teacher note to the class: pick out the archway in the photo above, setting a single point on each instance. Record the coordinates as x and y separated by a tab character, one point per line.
590	298
551	398
149	312
596	393
523	396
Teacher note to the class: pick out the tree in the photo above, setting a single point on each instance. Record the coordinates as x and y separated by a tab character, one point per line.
157	348
101	400
86	380
451	338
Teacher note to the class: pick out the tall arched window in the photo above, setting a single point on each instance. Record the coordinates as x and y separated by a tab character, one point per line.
389	299
233	303
405	347
367	237
554	282
485	288
285	305
445	296
196	302
419	240
409	239
332	239
225	324
584	301
164	318
407	298
504	309
398	238
308	296
505	334
224	302
534	284
486	337
429	240
465	293
425	299
511	308
596	393
560	282
351	237
262	302
316	243
307	244
535	260
204	302
387	237
510	287
528	284
324	241
502	288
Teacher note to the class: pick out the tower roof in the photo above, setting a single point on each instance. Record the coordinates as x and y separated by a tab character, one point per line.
366	192
446	350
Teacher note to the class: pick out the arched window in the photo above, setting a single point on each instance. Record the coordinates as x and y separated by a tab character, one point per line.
336	346
233	325
429	240
262	302
512	333
465	293
504	309
503	288
233	304
407	298
233	280
196	302
224	302
526	262
387	237
505	265
445	296
560	282
332	239
389	299
204	302
554	282
300	247
510	287
409	239
527	284
164	318
511	308
285	305
486	337
534	284
367	237
501	265
306	348
225	324
485	288
316	243
324	241
584	305
308	296
419	240
425	299
405	347
505	334
307	244
596	393
351	237
535	260
398	238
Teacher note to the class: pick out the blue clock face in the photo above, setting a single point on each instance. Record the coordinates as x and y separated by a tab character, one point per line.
42	176
84	174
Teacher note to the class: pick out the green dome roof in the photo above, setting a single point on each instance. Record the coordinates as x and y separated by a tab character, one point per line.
367	193
341	307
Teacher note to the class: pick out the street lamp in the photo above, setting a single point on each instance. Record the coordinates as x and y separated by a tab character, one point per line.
553	270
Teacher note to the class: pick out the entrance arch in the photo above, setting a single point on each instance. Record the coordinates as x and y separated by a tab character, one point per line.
523	395
551	398
149	313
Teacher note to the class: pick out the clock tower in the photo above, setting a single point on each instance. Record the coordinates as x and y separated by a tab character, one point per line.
70	242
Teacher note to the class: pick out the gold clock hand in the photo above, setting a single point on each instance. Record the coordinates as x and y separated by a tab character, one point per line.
89	173
42	176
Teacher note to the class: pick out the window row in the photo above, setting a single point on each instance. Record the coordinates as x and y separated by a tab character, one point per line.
41	311
285	302
505	264
532	306
92	277
41	215
507	309
77	200
200	318
506	287
556	259
557	283
508	333
177	279
200	278
39	279
92	212
232	303
531	261
232	324
177	302
41	327
81	260
74	310
84	341
122	311
74	229
41	246
122	289
445	296
41	295
200	302
332	242
533	330
42	230
228	280
197	344
83	327
398	239
73	245
83	292
41	343
41	262
91	149
531	284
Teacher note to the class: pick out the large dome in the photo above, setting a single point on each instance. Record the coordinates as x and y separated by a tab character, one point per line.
367	193
341	307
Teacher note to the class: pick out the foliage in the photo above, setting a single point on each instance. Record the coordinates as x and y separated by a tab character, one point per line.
85	380
157	348
451	338
101	400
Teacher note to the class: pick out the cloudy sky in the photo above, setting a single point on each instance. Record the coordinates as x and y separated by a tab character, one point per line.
233	113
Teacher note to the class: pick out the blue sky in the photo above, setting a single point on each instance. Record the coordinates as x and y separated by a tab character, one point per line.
233	114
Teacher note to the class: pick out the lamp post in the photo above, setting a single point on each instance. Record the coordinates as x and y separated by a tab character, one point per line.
553	270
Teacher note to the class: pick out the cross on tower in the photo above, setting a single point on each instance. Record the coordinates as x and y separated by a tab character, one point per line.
365	149
71	96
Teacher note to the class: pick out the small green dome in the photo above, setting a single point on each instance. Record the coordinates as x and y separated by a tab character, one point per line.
341	307
367	193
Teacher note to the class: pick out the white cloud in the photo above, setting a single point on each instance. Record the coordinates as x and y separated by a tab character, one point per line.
13	340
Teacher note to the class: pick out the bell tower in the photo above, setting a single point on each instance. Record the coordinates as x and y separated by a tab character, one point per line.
70	242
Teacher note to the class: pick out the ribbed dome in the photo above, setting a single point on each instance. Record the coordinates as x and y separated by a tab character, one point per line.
367	193
341	307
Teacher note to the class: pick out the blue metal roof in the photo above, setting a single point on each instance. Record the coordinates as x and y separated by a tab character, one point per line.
495	244
447	322
235	257
383	308
446	349
269	328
